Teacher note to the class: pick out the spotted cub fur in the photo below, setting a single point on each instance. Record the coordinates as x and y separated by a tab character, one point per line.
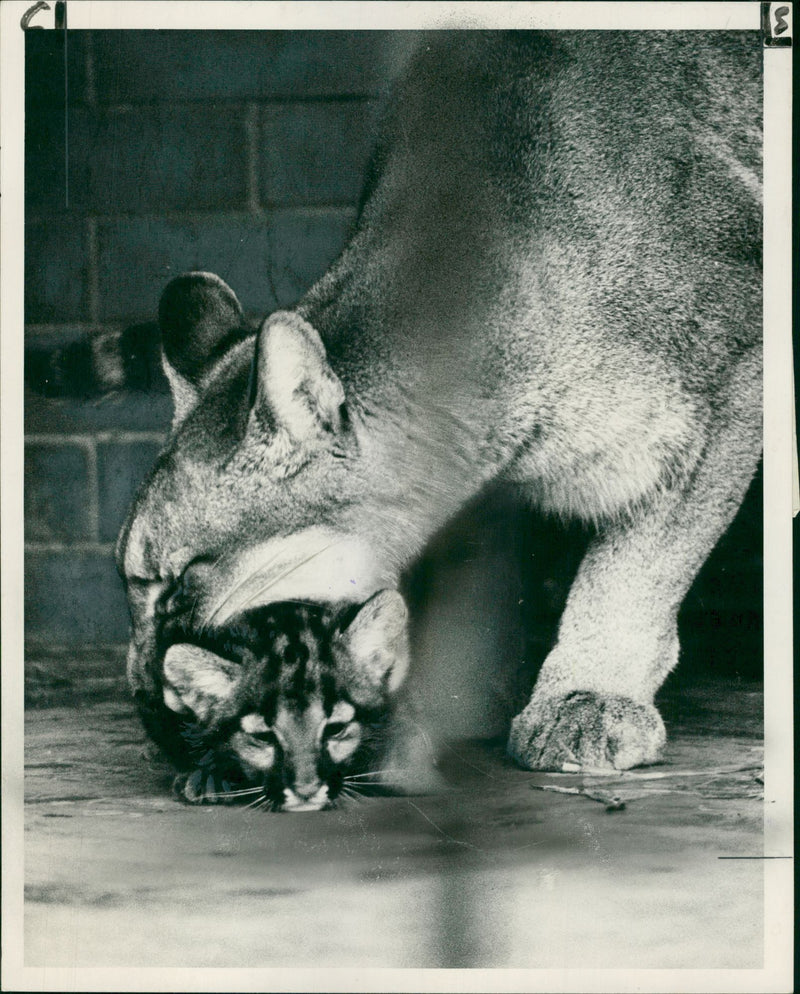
289	706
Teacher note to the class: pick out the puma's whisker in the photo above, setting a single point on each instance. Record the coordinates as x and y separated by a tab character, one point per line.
214	613
373	773
193	610
254	598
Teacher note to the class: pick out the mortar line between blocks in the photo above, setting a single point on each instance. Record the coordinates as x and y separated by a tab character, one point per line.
85	328
37	646
89	69
96	437
93	273
100	548
251	126
344	209
228	102
93	487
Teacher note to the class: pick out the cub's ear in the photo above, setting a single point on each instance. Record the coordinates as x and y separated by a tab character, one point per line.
200	318
199	681
376	645
296	387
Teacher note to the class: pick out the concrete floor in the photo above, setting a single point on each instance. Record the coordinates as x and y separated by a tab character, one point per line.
494	873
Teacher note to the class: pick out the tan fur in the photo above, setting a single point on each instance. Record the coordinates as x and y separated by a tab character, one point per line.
555	280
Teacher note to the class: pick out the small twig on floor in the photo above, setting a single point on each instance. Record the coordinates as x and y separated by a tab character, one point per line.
614	802
630	775
611	801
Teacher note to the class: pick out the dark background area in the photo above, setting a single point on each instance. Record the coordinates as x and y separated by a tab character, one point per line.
241	153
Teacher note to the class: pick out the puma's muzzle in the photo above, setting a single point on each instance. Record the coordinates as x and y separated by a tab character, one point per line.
315	564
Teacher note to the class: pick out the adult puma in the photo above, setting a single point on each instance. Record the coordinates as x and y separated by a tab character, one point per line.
555	279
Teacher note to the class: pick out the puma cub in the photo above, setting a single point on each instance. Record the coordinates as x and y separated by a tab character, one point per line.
555	279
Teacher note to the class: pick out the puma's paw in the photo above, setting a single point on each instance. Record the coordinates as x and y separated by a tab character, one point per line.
588	729
201	787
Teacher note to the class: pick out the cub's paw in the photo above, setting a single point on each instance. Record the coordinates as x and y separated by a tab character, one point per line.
610	732
410	765
202	787
416	781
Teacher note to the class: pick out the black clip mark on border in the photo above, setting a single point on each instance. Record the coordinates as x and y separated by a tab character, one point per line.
775	30
30	13
60	23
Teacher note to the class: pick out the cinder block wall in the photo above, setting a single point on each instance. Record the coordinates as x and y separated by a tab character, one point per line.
236	152
240	153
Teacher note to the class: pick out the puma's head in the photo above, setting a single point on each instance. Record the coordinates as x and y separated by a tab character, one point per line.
287	706
248	503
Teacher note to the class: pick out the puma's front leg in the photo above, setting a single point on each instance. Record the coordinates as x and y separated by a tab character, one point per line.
593	701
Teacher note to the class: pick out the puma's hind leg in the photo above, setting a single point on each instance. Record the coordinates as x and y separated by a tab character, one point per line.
593	700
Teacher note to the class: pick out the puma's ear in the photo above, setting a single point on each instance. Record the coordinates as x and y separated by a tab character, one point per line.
376	642
200	318
296	386
198	681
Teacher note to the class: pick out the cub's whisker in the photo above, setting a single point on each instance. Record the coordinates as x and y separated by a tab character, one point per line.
237	793
386	788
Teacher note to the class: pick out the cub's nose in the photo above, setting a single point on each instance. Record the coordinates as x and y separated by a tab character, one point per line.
306	797
305	791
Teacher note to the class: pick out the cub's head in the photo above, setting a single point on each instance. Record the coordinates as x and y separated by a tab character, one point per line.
287	707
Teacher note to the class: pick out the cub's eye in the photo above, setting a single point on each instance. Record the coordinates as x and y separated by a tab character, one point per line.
257	728
336	729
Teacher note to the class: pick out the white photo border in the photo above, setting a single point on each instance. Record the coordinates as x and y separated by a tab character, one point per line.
776	974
